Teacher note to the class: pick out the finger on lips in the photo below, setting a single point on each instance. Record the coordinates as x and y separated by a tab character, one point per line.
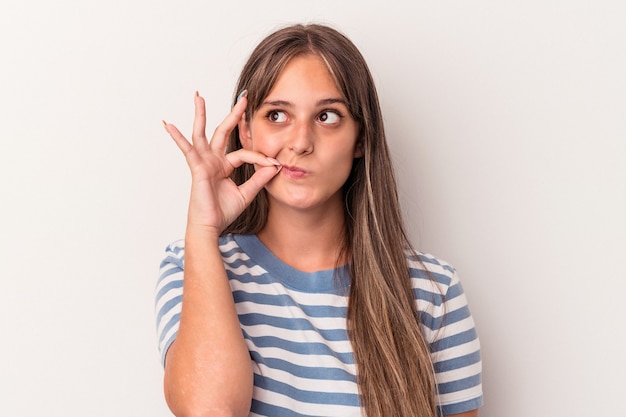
245	156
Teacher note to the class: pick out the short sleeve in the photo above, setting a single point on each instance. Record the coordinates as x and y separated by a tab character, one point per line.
169	292
449	328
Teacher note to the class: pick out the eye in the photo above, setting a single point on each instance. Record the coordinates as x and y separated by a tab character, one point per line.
329	117
276	116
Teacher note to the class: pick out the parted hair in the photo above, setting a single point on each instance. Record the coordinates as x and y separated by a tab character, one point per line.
394	370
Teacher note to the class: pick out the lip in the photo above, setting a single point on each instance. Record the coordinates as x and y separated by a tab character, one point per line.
293	172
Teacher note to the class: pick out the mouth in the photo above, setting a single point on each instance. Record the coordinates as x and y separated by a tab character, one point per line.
293	172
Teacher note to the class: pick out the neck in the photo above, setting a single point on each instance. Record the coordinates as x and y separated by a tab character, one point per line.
309	240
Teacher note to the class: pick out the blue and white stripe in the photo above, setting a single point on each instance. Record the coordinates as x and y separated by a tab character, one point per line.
295	329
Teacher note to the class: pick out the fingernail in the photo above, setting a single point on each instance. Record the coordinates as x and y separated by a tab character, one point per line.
164	123
274	161
244	93
197	94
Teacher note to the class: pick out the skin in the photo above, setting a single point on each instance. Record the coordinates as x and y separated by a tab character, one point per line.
305	124
208	371
302	142
473	413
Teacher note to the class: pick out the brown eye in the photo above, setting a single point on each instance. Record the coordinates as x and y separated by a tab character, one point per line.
276	116
329	117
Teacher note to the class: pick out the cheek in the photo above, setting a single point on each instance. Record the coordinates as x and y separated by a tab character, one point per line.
339	165
345	155
264	144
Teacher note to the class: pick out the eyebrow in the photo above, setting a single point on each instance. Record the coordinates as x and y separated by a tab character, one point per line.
324	102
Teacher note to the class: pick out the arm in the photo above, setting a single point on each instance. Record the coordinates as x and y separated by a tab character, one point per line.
207	368
208	371
473	413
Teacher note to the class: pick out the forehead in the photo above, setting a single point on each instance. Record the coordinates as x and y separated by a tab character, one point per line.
305	73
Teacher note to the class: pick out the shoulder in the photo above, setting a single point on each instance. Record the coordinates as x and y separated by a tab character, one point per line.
430	273
175	251
230	247
449	329
438	292
427	262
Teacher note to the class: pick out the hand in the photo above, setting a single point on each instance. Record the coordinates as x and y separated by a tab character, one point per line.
216	200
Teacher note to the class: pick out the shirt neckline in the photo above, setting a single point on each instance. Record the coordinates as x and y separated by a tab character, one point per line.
335	280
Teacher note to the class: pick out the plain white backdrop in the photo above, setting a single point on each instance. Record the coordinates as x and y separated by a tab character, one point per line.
507	122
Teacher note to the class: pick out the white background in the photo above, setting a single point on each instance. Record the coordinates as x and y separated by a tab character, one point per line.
507	121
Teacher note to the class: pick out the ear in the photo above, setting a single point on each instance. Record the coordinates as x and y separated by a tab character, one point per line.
245	136
358	148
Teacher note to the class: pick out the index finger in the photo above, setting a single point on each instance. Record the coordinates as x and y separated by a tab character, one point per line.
198	134
220	136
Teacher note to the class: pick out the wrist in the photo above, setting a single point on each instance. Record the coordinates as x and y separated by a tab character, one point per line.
201	233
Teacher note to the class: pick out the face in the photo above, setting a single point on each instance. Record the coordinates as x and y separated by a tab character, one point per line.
304	123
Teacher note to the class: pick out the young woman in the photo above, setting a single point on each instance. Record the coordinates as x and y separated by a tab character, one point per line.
295	291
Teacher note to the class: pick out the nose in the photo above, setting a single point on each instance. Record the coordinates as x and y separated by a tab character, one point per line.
302	138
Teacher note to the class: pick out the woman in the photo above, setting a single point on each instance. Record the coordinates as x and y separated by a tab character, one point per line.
302	294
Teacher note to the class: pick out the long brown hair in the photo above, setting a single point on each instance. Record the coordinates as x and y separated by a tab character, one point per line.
394	369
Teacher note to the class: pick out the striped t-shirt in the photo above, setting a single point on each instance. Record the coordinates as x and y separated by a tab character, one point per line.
294	324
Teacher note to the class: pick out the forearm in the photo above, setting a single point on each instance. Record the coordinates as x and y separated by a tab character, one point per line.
472	413
208	369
